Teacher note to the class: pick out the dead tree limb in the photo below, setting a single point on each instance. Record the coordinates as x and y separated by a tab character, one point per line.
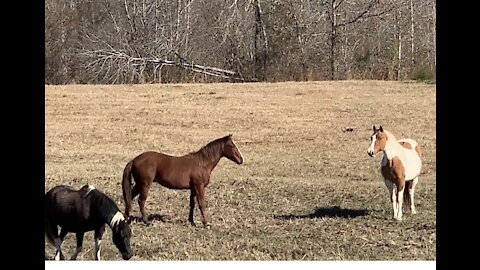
106	62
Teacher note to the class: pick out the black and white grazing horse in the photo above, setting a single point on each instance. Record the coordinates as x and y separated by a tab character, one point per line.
80	211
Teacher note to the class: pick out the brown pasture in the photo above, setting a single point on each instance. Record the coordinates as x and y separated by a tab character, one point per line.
307	189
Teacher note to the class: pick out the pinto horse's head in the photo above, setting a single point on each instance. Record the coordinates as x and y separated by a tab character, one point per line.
378	141
231	151
121	234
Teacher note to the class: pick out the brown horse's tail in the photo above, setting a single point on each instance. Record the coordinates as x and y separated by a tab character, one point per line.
127	188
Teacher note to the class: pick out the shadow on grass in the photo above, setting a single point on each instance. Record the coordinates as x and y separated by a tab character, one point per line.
152	217
334	211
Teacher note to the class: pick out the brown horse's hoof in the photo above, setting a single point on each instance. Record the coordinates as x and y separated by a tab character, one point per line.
129	219
207	226
147	223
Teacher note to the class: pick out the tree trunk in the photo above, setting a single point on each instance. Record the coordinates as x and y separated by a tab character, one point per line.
333	36
434	35
412	34
399	36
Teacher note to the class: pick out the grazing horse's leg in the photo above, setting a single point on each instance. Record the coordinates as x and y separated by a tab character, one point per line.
79	246
200	192
58	253
141	202
51	230
390	187
98	241
192	206
58	242
412	190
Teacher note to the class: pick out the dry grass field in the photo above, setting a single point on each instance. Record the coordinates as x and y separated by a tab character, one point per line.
306	191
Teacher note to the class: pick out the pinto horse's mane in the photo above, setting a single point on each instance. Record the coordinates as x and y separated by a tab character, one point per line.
210	152
390	136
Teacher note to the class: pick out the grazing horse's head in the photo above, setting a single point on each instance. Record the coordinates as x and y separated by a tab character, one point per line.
231	151
121	234
378	141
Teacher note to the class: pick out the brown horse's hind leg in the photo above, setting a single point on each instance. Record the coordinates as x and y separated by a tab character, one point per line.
141	203
192	207
200	192
128	207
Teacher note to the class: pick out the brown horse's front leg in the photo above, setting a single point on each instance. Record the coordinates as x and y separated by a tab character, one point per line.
201	204
192	207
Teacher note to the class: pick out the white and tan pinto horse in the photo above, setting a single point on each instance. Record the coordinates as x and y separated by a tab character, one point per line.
400	167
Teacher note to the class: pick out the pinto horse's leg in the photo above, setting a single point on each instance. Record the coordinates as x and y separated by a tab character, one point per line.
412	190
141	203
98	241
192	207
400	191
200	192
393	199
79	246
399	203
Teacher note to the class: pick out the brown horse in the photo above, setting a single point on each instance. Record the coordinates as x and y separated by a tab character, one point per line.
191	171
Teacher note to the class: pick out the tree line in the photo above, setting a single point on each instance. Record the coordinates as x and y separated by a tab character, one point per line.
166	41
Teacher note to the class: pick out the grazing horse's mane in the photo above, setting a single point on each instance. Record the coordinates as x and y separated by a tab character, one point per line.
209	153
106	206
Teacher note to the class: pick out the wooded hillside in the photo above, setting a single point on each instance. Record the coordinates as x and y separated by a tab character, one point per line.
152	41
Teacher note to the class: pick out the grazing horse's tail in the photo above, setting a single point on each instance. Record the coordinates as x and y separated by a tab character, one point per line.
49	237
127	188
48	225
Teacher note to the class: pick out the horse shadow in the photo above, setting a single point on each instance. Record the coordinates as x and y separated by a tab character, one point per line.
334	212
151	217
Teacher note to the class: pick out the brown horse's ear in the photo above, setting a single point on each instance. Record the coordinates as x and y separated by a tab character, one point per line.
230	135
381	129
374	129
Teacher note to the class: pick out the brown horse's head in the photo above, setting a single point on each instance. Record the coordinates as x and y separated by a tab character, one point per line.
231	151
378	141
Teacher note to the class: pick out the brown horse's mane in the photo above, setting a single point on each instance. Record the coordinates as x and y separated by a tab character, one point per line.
209	153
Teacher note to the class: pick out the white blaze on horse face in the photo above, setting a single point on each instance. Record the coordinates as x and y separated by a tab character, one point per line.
116	219
238	149
370	149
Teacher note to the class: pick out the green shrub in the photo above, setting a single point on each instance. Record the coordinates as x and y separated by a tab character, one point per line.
423	74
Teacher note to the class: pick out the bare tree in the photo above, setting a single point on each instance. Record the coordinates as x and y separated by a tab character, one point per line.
163	41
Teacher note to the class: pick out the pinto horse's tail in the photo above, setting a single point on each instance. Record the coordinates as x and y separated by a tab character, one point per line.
127	188
406	192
